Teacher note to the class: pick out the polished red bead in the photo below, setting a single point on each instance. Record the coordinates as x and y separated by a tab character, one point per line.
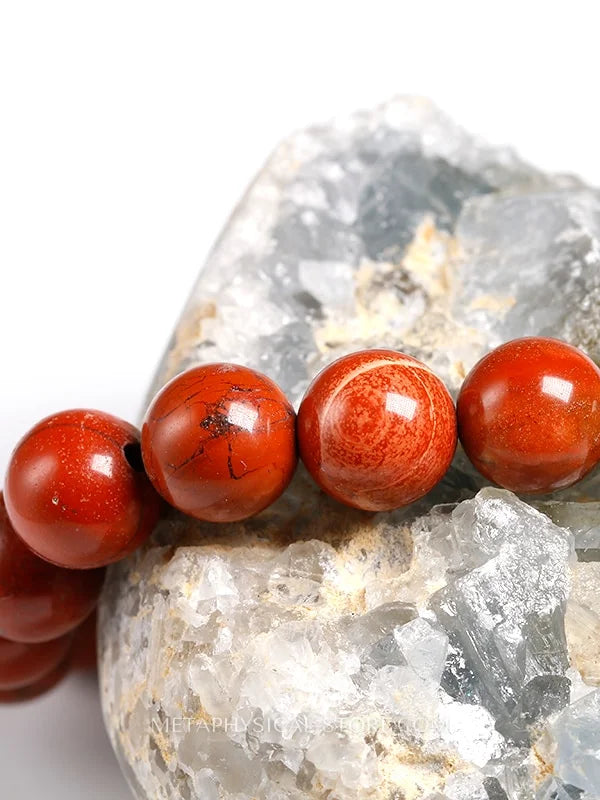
218	442
76	492
377	429
529	415
24	664
39	601
41	686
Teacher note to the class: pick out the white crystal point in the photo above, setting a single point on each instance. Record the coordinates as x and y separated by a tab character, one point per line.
449	651
424	648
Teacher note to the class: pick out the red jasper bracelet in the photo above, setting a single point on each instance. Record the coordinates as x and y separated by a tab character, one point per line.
376	430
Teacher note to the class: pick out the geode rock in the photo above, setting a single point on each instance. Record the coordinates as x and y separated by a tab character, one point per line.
441	651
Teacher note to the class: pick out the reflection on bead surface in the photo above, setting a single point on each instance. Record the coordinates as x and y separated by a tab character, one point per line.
218	442
529	415
76	492
39	601
23	664
377	429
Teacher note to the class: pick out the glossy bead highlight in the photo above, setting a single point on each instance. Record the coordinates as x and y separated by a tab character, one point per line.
39	601
218	442
76	492
377	429
529	415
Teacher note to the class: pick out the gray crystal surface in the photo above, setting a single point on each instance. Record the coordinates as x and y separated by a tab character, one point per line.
447	651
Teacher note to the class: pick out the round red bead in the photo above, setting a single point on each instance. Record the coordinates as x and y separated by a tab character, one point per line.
529	415
39	687
39	601
377	429
218	442
24	664
76	492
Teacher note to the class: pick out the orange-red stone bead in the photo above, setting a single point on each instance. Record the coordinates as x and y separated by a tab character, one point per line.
76	492
39	687
39	601
24	664
218	442
529	415
377	429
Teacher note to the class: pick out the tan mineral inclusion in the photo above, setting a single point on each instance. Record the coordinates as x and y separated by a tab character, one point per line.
440	652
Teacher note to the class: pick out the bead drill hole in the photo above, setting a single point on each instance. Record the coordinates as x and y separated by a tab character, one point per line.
133	456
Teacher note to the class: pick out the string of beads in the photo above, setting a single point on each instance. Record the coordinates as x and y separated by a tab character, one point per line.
376	430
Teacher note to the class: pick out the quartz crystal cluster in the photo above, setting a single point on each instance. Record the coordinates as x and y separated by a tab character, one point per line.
446	651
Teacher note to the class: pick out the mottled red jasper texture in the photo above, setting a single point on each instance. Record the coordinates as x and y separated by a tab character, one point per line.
529	415
218	442
39	601
24	664
377	429
76	492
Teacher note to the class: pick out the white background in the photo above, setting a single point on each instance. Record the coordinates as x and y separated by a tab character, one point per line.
127	132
